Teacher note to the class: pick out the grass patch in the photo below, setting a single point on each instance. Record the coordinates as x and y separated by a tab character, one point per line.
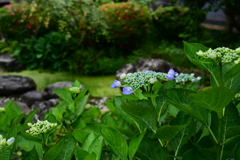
99	86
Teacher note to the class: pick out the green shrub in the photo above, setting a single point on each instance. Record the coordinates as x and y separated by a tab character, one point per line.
47	52
177	22
89	61
128	23
37	18
15	22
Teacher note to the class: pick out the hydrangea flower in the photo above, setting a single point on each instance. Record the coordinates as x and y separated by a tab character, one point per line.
4	142
153	80
40	127
10	141
221	54
127	90
171	74
116	84
122	75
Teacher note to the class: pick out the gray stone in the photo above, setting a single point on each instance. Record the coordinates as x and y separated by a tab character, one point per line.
10	64
31	97
15	85
98	102
48	91
157	65
43	107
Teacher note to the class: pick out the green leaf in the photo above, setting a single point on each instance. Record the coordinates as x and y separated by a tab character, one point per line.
138	93
232	72
91	156
30	137
156	87
116	140
179	98
209	153
53	152
231	121
150	149
112	108
64	95
31	155
233	84
80	153
172	110
192	154
141	112
26	145
134	144
117	101
68	148
51	118
237	152
88	141
76	84
81	103
214	99
80	135
182	137
96	147
167	132
12	110
6	153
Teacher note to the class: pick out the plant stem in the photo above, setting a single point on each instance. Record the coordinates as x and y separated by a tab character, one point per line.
213	136
222	134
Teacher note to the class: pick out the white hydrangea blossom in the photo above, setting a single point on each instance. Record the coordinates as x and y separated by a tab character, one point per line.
40	127
221	54
4	142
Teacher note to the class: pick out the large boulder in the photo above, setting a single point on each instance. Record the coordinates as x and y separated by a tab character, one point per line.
31	97
15	85
10	64
157	65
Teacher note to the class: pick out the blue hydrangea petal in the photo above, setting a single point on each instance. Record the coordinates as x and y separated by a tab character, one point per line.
127	90
116	84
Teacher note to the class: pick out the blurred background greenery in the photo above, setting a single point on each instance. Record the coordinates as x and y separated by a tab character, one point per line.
79	39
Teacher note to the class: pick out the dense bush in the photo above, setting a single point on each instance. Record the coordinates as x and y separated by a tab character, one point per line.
176	22
16	22
128	23
48	52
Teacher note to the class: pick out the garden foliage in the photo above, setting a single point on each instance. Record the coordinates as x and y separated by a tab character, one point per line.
111	31
159	116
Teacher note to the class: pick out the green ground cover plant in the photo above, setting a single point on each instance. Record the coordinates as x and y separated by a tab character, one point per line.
158	116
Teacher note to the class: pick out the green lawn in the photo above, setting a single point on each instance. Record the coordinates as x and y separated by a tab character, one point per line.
99	86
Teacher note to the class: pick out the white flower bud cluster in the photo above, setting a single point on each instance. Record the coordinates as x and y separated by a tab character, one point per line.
182	78
75	89
221	54
4	142
2	109
40	127
140	79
